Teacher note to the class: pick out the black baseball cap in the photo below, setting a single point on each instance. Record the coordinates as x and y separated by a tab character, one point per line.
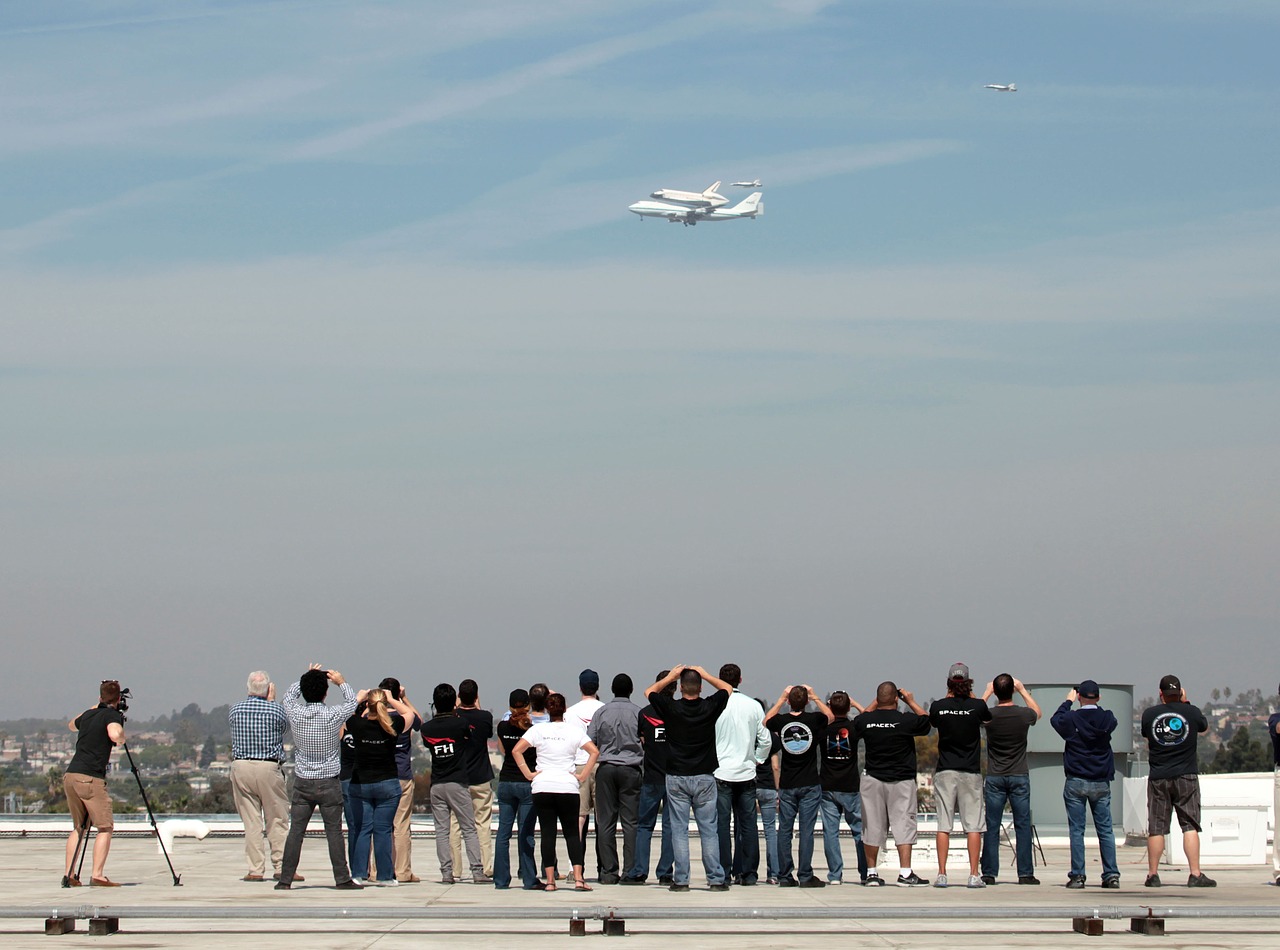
1170	684
1088	689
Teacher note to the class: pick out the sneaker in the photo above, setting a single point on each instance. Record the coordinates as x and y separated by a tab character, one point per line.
283	885
1200	880
836	883
678	888
912	880
481	879
391	883
1025	879
666	881
448	880
610	880
718	887
1111	883
975	880
631	880
990	880
940	881
788	882
350	885
748	881
874	880
359	880
1075	883
1153	880
813	882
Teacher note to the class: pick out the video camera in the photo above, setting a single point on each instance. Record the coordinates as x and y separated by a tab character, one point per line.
125	696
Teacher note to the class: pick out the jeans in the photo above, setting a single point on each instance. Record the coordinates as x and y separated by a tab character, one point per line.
351	811
617	800
1075	793
308	795
696	793
767	799
737	800
515	808
792	802
1016	790
849	806
378	802
652	795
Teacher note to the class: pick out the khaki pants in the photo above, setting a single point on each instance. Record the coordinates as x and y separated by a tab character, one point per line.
482	806
263	805
402	841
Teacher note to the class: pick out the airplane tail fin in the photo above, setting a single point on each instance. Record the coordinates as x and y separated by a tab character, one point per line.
712	190
1013	87
750	206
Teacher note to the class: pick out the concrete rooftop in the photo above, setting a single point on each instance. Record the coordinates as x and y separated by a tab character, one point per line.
210	871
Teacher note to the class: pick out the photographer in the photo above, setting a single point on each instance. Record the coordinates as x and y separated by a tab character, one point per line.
316	761
85	783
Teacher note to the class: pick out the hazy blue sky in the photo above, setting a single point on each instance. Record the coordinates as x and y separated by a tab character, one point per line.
327	336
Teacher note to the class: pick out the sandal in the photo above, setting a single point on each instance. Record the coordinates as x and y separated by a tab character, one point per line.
581	886
548	887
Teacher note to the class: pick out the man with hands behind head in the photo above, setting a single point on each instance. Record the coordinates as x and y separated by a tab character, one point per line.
317	762
799	789
889	789
691	764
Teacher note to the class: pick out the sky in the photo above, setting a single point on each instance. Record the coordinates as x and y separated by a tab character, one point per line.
327	337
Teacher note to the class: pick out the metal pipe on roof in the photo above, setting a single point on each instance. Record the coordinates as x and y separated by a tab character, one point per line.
600	912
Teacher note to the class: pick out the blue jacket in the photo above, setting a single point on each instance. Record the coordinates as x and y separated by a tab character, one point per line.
1088	733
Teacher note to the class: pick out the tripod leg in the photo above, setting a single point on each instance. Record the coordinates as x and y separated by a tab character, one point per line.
133	766
77	856
84	845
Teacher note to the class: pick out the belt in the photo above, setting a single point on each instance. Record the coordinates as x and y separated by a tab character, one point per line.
249	758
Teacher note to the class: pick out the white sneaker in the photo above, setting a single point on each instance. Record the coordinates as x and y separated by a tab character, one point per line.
391	883
940	881
975	880
836	883
360	881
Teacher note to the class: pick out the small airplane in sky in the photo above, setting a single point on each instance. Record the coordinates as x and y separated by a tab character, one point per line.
747	184
749	207
1012	87
692	199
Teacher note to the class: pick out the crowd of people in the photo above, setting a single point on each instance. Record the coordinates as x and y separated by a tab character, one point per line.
699	749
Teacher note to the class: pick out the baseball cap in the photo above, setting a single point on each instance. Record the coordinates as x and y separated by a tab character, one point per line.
958	671
589	681
1088	688
518	698
1170	684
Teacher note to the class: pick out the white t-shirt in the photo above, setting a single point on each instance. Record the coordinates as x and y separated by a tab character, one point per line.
580	714
557	744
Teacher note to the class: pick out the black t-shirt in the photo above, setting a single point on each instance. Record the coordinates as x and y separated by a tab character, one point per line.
1170	730
653	736
93	745
890	738
840	758
959	724
1273	724
346	757
374	748
446	738
801	737
479	768
508	735
764	771
691	731
1007	740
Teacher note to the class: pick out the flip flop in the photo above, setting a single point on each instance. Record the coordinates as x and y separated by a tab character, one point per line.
581	886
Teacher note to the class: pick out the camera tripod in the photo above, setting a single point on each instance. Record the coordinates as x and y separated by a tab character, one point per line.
82	845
